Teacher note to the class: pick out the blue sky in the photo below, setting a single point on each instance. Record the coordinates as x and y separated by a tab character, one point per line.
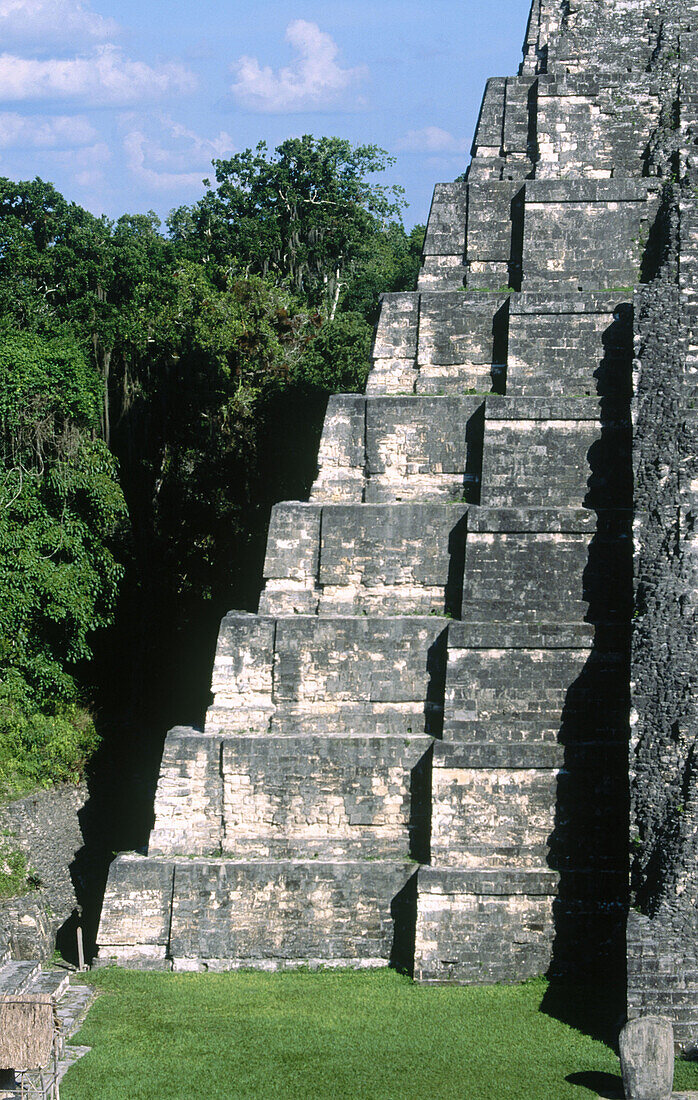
123	104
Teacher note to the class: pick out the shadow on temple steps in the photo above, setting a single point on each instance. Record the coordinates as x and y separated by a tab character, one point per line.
589	842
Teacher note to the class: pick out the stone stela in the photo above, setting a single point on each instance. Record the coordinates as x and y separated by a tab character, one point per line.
417	751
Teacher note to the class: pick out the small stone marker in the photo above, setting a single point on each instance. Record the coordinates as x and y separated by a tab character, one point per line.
647	1058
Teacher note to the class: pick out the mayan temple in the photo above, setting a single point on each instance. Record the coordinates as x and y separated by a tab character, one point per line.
459	735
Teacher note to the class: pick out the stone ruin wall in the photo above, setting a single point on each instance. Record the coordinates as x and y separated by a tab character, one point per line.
662	927
417	751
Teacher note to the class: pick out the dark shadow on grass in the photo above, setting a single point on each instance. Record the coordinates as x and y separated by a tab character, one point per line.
595	1007
606	1085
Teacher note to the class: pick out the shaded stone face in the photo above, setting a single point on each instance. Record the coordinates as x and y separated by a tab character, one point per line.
440	668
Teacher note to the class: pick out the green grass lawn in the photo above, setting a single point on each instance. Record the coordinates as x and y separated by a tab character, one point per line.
332	1036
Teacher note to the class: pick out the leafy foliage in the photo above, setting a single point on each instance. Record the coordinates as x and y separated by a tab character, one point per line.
61	515
302	214
158	393
38	750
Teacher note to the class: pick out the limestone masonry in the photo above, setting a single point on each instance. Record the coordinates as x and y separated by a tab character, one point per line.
417	751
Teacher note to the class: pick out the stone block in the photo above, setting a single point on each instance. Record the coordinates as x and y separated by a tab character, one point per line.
342	453
483	926
392	558
407	460
228	914
394	351
520	109
494	817
538	463
323	797
495	211
646	1049
585	234
243	672
135	922
462	342
371	559
565	345
444	245
188	799
615	115
488	132
525	577
293	542
354	658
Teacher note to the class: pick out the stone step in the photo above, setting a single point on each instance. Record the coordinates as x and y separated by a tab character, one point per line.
382	449
565	344
555	453
376	559
224	914
506	234
18	976
53	982
385	450
396	559
525	343
528	576
487	924
72	1008
534	684
513	755
291	797
445	342
335	674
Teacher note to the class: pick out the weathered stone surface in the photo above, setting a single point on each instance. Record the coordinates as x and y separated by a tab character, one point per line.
380	559
562	344
329	674
45	826
135	923
483	926
188	805
333	797
647	1058
229	914
196	914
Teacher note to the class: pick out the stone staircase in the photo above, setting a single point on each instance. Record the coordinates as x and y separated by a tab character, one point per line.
417	750
28	977
19	979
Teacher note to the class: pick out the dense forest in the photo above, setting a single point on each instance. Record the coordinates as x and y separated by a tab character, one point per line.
160	389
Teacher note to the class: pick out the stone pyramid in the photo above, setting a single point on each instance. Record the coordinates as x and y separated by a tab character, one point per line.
417	749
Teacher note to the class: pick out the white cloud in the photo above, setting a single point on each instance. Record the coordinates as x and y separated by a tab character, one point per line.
52	21
85	165
167	168
105	77
44	131
312	80
431	139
